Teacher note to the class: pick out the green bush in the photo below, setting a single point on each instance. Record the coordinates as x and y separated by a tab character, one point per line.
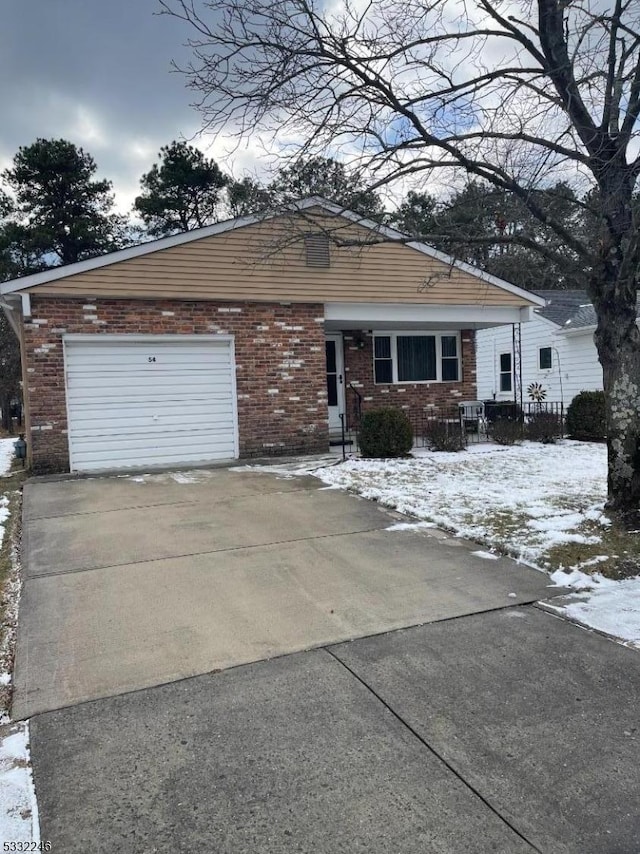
506	431
445	435
543	427
385	433
586	417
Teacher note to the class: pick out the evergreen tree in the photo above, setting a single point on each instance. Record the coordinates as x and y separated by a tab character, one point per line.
182	192
328	178
62	212
248	196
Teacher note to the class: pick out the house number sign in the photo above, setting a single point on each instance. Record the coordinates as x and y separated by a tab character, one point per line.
152	358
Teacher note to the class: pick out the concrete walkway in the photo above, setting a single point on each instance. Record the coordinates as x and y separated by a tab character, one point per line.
135	582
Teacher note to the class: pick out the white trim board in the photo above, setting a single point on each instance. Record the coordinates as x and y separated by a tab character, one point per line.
363	314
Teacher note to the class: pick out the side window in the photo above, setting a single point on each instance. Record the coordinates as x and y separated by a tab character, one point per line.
450	361
505	372
382	364
545	358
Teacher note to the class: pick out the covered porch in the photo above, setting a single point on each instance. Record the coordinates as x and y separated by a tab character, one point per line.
419	358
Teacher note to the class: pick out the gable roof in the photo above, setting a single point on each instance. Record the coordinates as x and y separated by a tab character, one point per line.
571	310
561	306
385	232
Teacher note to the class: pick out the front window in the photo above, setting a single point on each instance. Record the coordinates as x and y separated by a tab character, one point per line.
416	358
505	372
433	357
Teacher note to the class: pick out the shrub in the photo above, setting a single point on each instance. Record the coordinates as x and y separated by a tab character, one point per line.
385	433
445	435
586	417
506	431
544	427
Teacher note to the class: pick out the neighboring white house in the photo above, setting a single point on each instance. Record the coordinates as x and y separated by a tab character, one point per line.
557	351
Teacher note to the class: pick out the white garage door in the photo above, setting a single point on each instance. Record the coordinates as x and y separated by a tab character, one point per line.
149	400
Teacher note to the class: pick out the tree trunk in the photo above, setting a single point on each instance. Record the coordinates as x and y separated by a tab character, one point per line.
618	342
613	289
5	403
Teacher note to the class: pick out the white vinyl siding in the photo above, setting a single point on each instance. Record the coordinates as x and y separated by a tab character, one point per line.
574	367
149	400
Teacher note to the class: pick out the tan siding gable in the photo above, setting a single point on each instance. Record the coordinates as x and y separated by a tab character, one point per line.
266	262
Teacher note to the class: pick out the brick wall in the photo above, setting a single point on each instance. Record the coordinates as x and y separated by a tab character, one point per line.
414	398
280	366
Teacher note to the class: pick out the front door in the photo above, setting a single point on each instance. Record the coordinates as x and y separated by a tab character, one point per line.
335	381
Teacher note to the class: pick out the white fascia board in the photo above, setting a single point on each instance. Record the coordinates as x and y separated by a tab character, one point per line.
581	330
376	313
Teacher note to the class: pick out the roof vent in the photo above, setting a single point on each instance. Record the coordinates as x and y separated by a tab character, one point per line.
316	246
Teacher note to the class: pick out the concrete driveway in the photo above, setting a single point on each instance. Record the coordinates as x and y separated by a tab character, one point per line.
493	726
133	582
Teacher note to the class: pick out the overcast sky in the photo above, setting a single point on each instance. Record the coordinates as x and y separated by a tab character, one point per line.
97	72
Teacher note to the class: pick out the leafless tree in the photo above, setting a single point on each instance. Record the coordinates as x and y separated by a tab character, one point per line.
519	93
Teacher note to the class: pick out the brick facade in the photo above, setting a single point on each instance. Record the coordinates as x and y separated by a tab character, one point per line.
414	398
280	366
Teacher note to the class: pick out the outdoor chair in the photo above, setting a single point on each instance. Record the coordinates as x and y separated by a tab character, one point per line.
472	417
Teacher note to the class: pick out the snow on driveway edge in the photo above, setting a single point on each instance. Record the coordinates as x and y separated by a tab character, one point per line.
19	820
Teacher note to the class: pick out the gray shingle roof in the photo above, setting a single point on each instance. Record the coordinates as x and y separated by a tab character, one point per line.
570	309
562	305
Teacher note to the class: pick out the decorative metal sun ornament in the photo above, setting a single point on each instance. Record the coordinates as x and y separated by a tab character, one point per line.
536	392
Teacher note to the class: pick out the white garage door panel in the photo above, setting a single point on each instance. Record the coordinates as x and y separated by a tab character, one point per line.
154	402
179	390
123	359
164	426
106	424
116	460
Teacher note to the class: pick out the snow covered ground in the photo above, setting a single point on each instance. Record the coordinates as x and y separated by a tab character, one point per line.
18	807
6	454
522	500
10	592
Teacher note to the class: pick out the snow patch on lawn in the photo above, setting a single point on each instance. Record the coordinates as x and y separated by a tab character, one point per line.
523	499
7	453
4	515
601	603
18	806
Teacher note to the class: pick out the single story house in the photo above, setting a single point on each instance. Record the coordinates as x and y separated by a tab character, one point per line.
243	339
557	351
